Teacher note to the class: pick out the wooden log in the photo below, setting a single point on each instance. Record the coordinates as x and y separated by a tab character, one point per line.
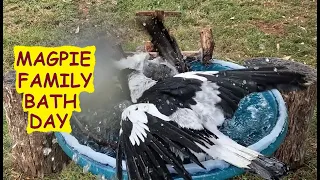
207	44
35	154
148	46
300	105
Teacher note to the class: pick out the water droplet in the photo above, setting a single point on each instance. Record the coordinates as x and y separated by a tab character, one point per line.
75	157
101	177
144	24
99	122
86	168
52	159
275	69
47	151
234	84
44	142
150	170
161	124
267	60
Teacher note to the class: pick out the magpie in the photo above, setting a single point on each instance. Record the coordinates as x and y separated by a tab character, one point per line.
181	115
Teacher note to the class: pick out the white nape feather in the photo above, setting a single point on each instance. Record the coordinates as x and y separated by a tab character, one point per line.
138	83
136	114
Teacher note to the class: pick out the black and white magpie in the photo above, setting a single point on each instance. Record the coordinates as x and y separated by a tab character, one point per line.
181	115
177	115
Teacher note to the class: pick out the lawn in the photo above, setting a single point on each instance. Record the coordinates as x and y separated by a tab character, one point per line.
242	29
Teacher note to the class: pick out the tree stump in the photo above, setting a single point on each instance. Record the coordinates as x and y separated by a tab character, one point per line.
35	154
300	105
207	44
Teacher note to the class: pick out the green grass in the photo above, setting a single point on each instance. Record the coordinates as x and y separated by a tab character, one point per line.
242	29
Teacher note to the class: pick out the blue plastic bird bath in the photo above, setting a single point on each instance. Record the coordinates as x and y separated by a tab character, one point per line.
260	123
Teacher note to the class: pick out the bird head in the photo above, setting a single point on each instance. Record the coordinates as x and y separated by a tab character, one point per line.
156	69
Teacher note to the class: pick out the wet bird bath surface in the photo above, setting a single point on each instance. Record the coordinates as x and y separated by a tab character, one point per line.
260	123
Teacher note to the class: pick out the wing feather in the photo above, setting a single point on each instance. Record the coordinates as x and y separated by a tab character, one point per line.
147	145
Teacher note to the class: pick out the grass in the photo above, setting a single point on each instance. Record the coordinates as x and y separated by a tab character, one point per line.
242	29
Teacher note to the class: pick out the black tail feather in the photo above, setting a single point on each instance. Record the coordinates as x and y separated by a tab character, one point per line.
169	157
119	158
268	168
182	149
164	43
266	78
156	163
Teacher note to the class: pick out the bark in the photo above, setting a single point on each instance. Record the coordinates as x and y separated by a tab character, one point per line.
300	105
207	44
35	154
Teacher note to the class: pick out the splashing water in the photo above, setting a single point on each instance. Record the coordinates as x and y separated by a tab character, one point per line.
54	141
47	151
101	177
86	168
75	157
275	69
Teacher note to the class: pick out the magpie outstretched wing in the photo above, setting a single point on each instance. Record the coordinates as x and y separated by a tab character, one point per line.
146	140
230	86
181	113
